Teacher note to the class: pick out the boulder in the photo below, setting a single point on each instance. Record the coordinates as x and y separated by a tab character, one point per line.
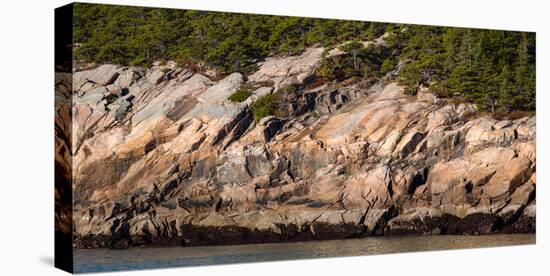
284	71
156	76
221	91
102	75
526	150
507	179
127	77
440	117
479	129
527	129
444	177
368	190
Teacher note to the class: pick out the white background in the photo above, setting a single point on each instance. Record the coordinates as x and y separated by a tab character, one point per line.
26	135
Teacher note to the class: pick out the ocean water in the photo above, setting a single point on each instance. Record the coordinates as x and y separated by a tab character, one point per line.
100	260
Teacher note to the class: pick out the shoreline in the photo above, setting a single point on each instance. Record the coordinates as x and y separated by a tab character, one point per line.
161	245
234	235
105	259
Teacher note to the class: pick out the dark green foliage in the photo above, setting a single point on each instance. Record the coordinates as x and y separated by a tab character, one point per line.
423	53
501	69
353	48
494	69
525	73
371	60
228	42
358	61
388	65
242	94
264	106
275	104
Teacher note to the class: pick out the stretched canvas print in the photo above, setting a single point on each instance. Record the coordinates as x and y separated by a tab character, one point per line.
190	137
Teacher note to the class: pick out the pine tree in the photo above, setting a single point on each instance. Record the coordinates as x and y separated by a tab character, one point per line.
494	69
353	48
489	87
524	76
507	91
464	77
424	53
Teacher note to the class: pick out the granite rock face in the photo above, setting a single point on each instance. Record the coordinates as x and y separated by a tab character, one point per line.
161	156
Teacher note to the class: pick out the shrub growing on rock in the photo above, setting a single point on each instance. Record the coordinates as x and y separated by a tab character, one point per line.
264	106
242	94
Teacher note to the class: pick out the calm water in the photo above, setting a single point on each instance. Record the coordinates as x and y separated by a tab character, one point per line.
98	260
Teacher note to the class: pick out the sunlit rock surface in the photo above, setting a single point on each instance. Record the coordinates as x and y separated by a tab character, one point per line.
161	156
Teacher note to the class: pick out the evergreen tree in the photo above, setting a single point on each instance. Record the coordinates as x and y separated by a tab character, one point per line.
494	69
524	75
508	97
464	78
353	48
424	54
489	88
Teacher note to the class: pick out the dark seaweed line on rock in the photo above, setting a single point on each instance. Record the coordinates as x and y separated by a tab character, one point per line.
231	235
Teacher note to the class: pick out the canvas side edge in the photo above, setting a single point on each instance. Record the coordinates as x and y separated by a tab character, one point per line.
63	138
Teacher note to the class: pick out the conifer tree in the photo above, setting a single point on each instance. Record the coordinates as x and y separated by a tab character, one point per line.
491	68
524	75
508	97
353	48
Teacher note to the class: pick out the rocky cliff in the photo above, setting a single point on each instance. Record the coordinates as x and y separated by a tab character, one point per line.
161	156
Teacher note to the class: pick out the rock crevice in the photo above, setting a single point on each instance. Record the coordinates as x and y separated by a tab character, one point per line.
162	156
